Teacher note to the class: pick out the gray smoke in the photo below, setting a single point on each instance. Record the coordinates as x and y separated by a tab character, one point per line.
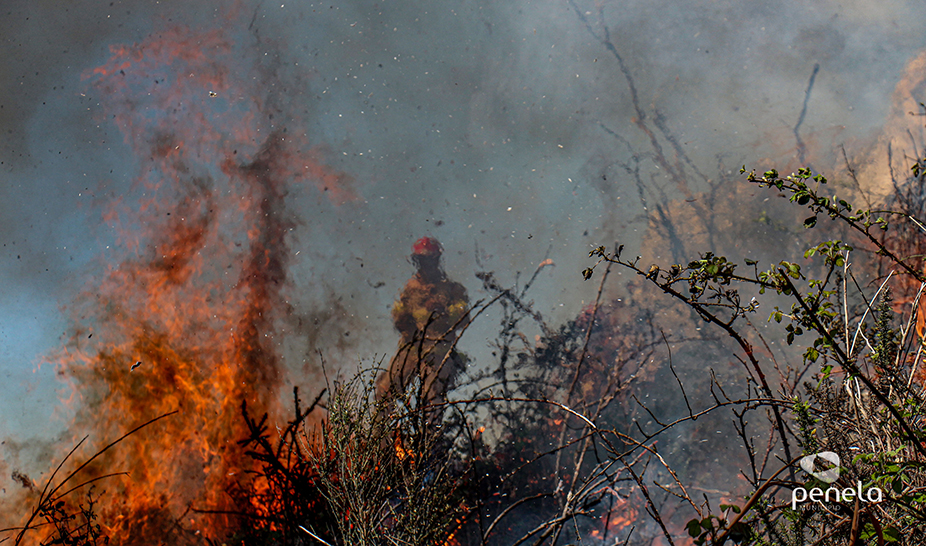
483	124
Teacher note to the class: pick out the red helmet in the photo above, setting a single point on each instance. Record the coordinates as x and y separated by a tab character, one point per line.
426	246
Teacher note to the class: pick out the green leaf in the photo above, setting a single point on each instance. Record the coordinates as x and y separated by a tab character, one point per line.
694	528
811	354
897	486
810	222
891	534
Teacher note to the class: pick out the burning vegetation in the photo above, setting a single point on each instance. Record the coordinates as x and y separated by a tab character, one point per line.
175	359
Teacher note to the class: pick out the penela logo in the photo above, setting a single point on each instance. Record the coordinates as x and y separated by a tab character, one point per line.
829	475
826	476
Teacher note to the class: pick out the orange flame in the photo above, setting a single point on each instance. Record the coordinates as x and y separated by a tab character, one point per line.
186	318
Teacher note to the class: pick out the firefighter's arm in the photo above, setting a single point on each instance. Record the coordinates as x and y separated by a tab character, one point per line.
402	318
458	306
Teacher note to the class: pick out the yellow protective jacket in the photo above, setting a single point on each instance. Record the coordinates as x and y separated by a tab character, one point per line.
445	300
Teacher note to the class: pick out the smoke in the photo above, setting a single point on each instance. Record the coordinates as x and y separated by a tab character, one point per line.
502	126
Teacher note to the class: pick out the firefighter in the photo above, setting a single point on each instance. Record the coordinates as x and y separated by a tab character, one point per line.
427	314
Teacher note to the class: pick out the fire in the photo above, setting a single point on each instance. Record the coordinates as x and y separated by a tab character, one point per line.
620	516
624	520
401	452
186	315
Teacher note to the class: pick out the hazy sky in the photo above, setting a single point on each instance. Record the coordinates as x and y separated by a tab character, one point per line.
485	124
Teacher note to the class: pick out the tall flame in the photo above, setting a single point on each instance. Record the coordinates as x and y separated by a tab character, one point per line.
186	315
